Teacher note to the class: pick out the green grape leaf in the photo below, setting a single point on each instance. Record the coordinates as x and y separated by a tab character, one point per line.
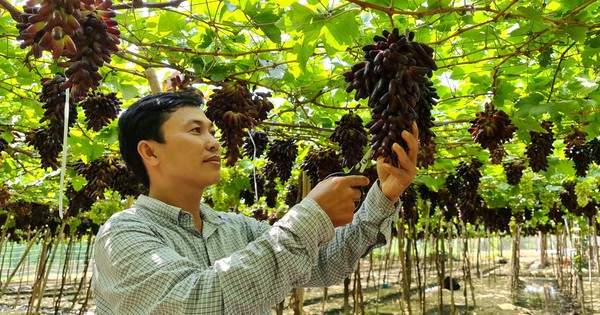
577	33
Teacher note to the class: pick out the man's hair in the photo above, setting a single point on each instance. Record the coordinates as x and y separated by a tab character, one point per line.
143	121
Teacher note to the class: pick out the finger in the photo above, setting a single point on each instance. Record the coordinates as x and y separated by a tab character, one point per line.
415	133
356	180
357	194
415	130
413	145
407	163
393	171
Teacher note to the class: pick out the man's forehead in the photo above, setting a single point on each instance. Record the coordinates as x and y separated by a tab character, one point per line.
189	111
189	115
197	116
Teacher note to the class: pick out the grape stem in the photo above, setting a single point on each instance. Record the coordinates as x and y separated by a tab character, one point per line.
294	126
562	57
14	12
140	4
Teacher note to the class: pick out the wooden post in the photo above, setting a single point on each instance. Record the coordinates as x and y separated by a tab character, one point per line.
152	80
543	249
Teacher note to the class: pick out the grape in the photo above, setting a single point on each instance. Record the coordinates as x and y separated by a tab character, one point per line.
29	216
282	153
409	211
82	31
556	212
271	194
393	77
86	227
541	146
578	151
258	141
235	110
497	219
81	200
491	128
256	180
102	173
426	155
291	198
470	177
568	198
581	159
177	82
54	99
514	172
47	142
497	154
350	134
427	194
124	181
460	190
591	210
98	172
273	218
96	40
319	163
247	196
594	150
575	138
100	109
448	195
270	174
4	196
259	214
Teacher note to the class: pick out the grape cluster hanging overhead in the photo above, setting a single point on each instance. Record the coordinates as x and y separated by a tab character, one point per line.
394	77
81	30
235	109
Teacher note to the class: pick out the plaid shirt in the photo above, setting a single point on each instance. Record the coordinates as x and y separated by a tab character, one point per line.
151	260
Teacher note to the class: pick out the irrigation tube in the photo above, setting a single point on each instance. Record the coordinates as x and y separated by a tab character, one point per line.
253	166
63	166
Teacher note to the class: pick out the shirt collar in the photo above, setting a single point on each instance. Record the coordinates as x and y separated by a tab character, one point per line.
158	207
211	219
210	215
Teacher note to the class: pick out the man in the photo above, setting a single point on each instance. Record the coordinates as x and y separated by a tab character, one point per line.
170	254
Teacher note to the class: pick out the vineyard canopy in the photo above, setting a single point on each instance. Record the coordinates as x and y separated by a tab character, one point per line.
534	60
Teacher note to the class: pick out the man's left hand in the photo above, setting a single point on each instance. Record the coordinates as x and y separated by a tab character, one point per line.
394	180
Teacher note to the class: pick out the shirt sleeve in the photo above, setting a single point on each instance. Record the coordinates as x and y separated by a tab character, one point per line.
370	227
137	272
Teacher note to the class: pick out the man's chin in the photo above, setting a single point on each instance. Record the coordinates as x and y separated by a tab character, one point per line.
216	179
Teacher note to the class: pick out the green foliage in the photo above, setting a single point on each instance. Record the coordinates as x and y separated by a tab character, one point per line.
103	209
533	62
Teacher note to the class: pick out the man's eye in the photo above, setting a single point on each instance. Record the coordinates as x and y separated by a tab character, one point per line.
197	129
212	132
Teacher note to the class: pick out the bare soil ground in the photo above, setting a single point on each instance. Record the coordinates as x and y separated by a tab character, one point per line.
381	294
539	293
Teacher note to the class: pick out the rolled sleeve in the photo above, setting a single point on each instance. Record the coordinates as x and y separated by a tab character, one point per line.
378	208
370	227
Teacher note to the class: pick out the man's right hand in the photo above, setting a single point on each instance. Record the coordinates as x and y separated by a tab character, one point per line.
337	195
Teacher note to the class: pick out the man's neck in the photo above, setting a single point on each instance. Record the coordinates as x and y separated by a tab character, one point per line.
188	202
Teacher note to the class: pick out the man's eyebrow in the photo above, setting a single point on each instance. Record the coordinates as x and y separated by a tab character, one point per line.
200	123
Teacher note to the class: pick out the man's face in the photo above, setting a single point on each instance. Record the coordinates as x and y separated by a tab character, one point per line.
190	154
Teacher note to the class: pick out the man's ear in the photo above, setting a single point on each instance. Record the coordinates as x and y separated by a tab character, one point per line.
146	150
